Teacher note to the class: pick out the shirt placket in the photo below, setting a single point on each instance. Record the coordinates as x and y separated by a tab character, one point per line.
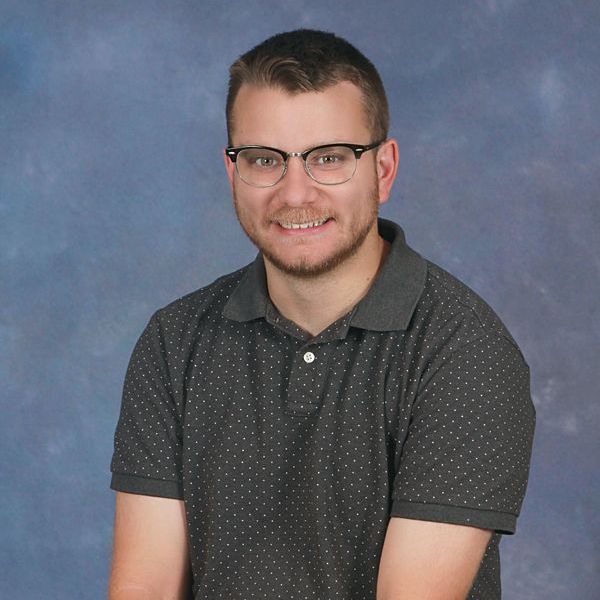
310	362
307	379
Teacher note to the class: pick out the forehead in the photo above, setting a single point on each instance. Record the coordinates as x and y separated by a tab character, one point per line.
271	116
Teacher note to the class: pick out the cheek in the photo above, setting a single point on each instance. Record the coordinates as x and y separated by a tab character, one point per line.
251	203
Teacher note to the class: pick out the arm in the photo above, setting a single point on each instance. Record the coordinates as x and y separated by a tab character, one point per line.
150	554
427	560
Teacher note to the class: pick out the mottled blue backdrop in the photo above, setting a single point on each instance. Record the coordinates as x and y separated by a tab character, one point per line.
113	202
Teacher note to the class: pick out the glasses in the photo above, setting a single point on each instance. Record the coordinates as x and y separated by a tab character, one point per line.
331	164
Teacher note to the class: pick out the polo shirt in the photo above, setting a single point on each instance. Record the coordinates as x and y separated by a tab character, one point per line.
292	452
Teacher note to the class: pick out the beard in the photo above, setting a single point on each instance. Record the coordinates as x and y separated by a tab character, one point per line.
304	266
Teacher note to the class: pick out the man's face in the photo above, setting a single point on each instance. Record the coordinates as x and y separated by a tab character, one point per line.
272	117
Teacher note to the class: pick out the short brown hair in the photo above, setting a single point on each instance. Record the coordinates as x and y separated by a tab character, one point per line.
307	60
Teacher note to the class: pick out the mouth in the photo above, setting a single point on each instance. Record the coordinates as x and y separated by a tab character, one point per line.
303	225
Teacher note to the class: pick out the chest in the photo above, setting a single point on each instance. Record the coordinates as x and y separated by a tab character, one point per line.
277	404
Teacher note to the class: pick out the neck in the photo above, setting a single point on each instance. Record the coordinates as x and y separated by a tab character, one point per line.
316	302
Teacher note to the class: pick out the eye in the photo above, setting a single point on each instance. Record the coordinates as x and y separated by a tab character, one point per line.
259	159
327	159
265	161
332	157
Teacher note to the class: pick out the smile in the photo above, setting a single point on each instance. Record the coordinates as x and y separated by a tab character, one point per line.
303	225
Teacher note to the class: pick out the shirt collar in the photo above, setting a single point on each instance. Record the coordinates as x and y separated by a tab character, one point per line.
250	299
388	305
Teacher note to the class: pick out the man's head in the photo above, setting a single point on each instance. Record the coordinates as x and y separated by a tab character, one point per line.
310	61
308	160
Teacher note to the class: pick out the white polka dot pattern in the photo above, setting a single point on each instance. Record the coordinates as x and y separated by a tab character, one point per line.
291	452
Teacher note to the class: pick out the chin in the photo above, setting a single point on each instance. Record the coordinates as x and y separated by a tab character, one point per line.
310	267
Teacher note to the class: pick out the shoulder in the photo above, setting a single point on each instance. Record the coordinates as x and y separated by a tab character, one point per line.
202	307
450	315
213	294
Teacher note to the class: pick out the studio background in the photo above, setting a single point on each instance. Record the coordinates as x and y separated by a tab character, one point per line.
114	202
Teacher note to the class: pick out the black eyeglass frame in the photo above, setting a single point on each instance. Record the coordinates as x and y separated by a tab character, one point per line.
358	150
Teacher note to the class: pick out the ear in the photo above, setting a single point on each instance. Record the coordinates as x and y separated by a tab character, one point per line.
229	168
387	158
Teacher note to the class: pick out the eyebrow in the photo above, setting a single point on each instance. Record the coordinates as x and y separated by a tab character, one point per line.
326	143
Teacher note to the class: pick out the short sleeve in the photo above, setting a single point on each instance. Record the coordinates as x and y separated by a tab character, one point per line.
466	456
148	437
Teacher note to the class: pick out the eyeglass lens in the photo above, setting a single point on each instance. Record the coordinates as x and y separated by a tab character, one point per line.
330	165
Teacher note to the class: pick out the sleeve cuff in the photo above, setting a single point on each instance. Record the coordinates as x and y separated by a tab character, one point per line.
134	484
500	522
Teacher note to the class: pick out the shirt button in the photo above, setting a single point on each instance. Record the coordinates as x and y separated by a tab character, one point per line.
309	357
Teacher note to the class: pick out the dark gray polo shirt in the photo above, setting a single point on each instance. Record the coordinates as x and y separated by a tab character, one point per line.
291	453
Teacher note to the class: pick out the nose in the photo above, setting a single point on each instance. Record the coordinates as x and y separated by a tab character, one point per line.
296	188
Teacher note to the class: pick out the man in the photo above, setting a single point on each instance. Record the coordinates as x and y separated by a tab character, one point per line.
340	419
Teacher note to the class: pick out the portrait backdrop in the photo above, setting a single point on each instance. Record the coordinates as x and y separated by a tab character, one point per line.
114	202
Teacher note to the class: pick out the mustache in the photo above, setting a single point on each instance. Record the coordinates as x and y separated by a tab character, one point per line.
299	215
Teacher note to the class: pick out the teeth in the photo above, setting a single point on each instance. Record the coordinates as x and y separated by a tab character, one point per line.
303	225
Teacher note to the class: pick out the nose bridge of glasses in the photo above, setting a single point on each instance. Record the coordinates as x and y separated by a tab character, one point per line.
302	156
